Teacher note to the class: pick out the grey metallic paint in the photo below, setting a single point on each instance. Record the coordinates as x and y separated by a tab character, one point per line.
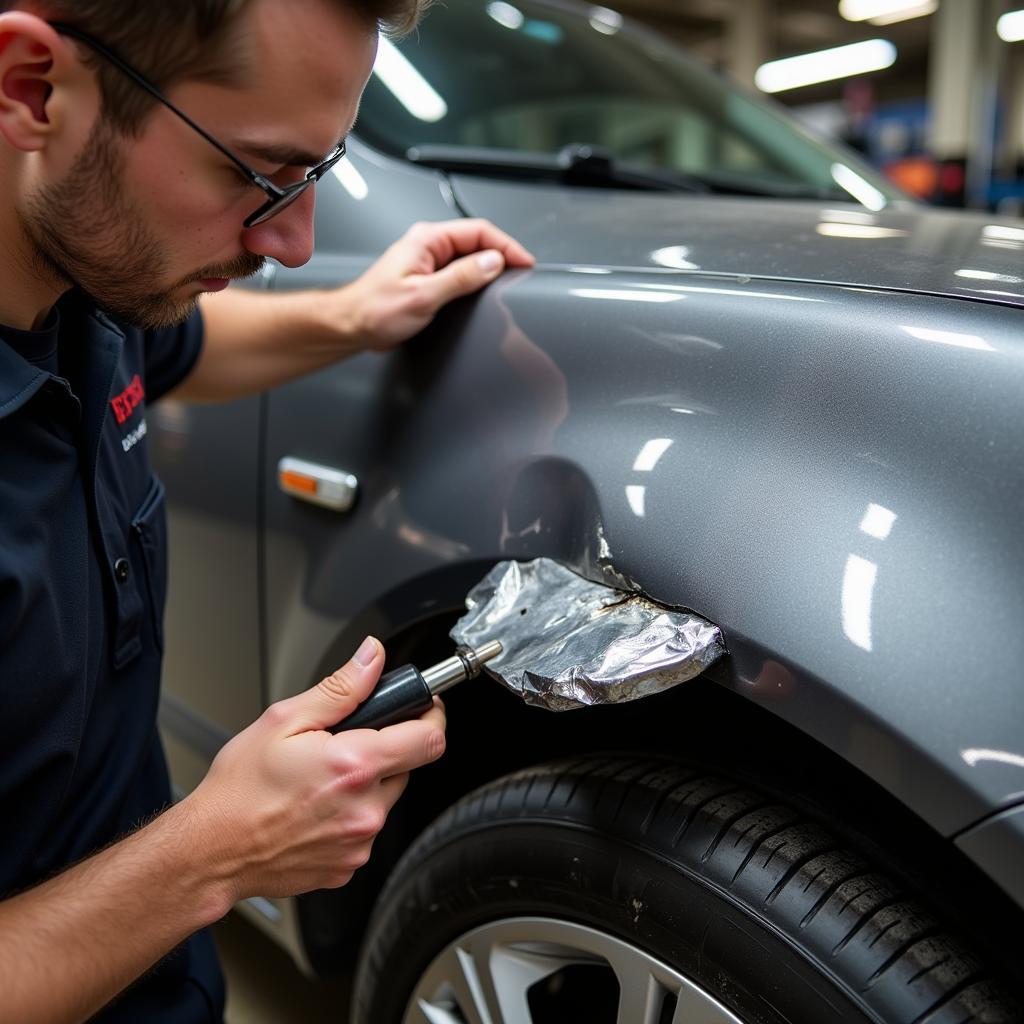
995	845
906	247
802	380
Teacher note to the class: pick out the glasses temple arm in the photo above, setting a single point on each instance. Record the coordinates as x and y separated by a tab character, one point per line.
82	37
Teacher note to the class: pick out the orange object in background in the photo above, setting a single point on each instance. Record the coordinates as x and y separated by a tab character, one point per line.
918	175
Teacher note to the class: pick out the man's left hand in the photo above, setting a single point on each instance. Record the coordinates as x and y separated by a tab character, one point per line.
430	265
257	340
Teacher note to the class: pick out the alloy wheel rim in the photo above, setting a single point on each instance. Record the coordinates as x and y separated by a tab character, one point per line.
486	975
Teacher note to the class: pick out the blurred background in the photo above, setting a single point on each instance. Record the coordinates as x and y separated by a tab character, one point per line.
930	91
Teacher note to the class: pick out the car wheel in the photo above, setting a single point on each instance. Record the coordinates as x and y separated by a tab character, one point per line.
627	891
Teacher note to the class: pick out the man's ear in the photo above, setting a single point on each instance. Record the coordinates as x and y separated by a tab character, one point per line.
33	58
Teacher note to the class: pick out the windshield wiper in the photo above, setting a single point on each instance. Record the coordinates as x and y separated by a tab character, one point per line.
577	164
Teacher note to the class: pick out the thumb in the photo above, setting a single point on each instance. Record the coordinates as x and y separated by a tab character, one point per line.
464	276
336	696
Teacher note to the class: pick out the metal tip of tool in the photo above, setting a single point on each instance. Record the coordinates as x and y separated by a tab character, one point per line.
467	663
483	653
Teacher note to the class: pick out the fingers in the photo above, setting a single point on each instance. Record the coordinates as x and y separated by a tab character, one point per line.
450	239
473	235
459	257
396	750
391	789
461	277
334	697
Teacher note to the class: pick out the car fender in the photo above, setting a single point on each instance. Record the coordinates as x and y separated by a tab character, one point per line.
832	475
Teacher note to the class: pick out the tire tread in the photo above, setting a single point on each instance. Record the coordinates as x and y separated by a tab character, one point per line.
880	943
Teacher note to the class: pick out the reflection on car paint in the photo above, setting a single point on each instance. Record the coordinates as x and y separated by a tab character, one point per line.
624	295
741	293
957	338
859	578
988	275
674	257
858	589
877	521
974	754
831	229
1002	237
645	462
858	187
651	452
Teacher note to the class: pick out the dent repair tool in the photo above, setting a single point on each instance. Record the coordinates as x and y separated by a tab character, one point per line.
567	642
406	692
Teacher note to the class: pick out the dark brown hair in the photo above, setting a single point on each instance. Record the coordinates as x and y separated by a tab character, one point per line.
171	40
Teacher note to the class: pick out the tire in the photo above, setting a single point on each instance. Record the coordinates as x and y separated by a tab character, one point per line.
623	890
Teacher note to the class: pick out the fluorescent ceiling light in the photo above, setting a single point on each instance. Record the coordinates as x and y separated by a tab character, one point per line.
1010	27
406	84
353	182
886	12
825	65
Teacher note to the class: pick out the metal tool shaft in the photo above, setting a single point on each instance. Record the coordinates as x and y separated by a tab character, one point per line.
467	663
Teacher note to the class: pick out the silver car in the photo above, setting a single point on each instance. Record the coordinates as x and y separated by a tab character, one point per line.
746	378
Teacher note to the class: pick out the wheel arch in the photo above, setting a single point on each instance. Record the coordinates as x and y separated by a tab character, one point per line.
711	721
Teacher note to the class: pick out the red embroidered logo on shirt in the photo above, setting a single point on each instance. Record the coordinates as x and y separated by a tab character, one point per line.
129	400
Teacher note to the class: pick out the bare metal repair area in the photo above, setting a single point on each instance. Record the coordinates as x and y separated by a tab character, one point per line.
568	642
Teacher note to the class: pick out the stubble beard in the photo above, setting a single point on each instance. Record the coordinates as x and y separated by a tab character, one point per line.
86	232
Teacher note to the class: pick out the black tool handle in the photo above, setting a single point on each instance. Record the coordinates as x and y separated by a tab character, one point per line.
397	697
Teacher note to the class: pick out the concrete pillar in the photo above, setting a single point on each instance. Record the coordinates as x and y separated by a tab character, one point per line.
952	69
746	39
963	77
1011	150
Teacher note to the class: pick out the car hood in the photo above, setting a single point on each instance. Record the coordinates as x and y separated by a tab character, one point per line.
911	248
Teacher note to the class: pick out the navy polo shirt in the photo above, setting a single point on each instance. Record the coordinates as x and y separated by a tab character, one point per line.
82	583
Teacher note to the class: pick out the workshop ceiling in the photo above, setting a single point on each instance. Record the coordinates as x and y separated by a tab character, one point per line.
794	26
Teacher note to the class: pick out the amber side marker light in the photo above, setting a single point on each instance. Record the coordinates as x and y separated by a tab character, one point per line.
321	485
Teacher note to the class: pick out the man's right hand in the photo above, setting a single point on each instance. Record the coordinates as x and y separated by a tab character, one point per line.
288	807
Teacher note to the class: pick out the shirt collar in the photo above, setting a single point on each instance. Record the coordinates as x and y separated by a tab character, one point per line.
19	379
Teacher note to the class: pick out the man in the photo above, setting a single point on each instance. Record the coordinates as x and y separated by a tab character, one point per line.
118	211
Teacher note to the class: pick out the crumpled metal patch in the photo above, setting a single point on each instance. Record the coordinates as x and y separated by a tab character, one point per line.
568	642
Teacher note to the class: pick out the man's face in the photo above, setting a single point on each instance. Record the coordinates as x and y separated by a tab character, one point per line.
146	224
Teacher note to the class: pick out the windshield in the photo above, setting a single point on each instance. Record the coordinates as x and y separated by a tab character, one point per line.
535	76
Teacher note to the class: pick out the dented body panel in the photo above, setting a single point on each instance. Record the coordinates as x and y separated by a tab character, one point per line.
823	460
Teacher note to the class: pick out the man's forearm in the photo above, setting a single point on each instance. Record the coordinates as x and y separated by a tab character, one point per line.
256	340
70	945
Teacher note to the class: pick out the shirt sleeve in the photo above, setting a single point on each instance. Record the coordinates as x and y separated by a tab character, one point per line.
171	354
